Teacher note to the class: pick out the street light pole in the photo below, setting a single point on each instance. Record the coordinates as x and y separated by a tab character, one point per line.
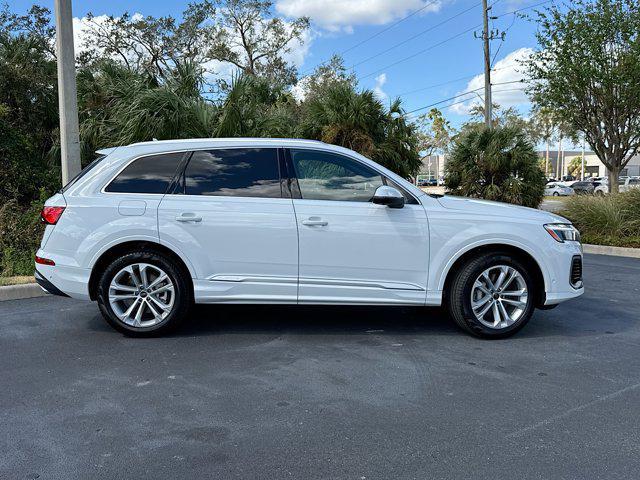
67	92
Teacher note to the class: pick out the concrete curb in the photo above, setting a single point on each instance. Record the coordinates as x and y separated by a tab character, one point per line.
609	250
18	292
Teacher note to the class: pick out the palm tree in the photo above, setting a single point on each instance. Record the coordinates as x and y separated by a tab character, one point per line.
497	164
358	120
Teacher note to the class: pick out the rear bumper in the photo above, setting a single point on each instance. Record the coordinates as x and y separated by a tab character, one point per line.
70	281
47	286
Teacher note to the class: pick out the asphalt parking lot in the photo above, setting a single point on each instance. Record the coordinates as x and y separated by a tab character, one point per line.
340	393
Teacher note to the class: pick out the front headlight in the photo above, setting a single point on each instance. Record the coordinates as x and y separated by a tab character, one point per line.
563	232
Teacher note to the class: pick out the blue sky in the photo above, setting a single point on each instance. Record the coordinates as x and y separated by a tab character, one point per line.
341	25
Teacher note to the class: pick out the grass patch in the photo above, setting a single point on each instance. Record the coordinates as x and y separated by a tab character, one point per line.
609	220
18	280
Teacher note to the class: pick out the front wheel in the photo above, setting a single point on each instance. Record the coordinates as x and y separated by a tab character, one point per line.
144	293
491	296
556	194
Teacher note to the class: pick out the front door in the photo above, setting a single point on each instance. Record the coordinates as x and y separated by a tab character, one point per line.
230	219
351	250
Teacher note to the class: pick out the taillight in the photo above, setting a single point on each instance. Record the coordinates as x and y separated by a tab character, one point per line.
51	215
44	261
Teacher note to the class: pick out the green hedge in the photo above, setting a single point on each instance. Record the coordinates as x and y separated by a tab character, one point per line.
20	234
609	220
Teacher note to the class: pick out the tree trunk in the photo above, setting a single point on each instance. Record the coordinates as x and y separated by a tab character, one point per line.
546	166
614	173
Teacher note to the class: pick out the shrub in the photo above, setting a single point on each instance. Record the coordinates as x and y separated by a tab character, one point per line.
608	220
496	164
20	234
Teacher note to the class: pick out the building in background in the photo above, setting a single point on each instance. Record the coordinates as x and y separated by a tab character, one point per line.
593	167
566	156
432	168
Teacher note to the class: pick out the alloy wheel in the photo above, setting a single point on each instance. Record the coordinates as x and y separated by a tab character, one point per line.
499	296
141	295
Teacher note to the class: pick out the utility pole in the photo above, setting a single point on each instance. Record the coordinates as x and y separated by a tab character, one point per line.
67	93
582	162
487	65
488	35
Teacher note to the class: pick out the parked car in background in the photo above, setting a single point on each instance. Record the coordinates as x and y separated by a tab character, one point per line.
584	188
427	182
557	190
624	184
596	179
150	228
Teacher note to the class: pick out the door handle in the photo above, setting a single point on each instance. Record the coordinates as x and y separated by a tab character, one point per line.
188	217
315	222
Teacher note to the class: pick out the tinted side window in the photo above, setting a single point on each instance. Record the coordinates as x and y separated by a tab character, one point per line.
328	176
152	174
234	172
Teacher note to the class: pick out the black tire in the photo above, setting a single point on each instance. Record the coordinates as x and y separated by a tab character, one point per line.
458	296
182	294
556	194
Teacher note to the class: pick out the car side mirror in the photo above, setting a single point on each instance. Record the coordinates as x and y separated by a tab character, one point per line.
389	196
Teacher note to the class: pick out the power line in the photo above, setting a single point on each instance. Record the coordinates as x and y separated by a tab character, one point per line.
451	38
467	99
468	77
449	82
377	34
512	12
413	37
464	94
419	52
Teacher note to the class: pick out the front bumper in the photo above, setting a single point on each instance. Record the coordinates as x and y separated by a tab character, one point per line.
561	286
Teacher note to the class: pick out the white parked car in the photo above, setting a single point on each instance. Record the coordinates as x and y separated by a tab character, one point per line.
557	189
624	184
150	228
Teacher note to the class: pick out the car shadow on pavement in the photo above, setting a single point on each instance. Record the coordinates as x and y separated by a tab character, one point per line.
562	321
316	320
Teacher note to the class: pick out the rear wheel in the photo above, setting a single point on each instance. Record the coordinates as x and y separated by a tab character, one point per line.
491	296
144	294
556	194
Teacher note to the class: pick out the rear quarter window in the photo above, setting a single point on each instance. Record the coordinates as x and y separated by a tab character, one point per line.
149	174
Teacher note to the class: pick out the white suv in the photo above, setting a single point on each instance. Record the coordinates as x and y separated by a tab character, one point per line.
150	228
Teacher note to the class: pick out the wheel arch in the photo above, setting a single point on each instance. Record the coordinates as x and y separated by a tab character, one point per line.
521	254
120	249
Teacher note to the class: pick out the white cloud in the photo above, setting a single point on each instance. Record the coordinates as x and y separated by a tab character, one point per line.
504	94
344	14
377	90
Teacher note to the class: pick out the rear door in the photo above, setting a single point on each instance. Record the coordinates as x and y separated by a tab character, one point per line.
352	250
230	218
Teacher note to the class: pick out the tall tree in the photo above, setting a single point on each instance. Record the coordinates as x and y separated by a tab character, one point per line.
588	71
542	122
435	133
149	44
246	35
